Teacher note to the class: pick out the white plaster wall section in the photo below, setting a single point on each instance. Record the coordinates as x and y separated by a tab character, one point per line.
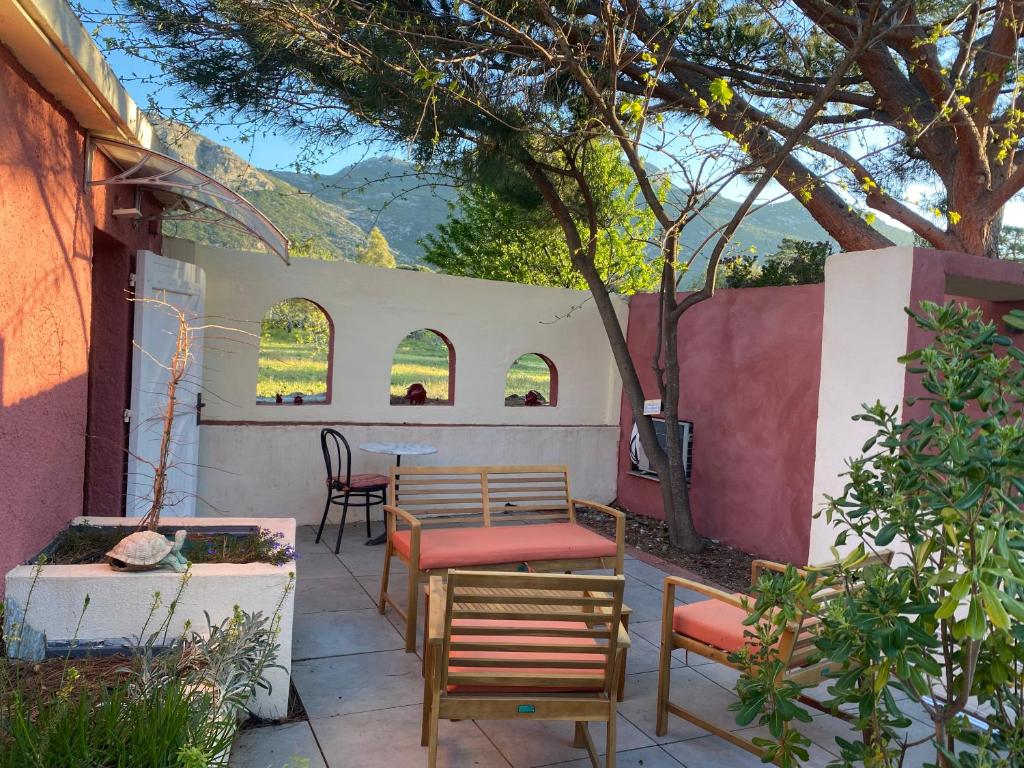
865	331
489	324
271	471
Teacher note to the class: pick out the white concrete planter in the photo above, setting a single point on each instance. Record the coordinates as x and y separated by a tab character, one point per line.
120	602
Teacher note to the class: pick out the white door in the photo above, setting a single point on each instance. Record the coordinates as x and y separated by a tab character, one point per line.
181	285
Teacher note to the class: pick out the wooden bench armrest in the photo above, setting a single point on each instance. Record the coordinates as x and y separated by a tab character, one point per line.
393	513
620	527
671	582
623	641
601	508
757	566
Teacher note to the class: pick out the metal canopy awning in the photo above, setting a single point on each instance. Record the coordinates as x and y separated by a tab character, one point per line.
186	193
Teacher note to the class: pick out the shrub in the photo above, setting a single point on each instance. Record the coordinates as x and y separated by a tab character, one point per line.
175	705
942	624
115	727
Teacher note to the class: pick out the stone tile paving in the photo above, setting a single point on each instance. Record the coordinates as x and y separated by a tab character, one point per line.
363	693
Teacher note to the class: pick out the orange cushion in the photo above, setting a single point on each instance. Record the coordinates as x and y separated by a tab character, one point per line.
463	547
712	622
464	624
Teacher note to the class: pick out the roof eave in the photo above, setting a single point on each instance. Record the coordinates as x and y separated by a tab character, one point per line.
49	41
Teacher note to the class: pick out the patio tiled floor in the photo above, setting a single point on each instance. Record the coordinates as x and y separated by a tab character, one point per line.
362	692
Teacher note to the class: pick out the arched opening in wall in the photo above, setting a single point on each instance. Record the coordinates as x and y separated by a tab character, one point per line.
296	343
423	370
532	380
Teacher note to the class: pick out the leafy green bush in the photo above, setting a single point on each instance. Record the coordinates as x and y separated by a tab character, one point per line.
943	624
797	262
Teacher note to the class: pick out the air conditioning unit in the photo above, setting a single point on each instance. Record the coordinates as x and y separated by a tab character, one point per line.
638	457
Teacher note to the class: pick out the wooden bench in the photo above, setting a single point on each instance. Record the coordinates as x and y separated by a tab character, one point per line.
490	518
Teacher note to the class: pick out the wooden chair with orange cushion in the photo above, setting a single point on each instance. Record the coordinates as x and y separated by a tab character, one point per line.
714	629
524	646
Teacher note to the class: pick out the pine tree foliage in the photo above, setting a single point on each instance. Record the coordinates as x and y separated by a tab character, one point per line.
492	236
376	252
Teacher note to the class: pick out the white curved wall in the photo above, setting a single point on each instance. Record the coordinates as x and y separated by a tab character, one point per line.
274	449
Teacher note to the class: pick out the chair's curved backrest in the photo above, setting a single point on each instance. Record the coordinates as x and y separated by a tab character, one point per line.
525	632
335	448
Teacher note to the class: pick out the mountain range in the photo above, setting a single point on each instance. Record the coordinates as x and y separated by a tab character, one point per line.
328	216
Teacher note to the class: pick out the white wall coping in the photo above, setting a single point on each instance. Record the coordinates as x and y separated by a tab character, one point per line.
49	40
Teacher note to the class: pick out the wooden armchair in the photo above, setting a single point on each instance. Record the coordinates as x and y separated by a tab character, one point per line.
528	646
714	629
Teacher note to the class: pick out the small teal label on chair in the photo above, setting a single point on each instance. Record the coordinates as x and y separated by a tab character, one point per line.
526	709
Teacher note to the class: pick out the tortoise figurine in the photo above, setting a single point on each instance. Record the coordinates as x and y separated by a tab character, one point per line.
145	550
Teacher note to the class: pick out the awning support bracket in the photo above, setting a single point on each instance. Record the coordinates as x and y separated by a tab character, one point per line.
187	193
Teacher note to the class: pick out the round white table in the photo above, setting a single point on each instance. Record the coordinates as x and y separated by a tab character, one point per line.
398	450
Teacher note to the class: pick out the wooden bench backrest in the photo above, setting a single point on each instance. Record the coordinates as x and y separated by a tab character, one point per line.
482	495
531	630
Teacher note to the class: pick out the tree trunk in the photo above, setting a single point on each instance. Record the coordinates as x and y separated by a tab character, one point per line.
976	226
673	494
673	482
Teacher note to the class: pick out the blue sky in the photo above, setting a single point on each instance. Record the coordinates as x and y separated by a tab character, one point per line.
265	150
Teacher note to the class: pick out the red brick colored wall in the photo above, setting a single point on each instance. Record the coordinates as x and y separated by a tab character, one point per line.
109	376
932	269
48	312
750	362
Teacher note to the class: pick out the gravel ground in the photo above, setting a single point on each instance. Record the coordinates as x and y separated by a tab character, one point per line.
718	563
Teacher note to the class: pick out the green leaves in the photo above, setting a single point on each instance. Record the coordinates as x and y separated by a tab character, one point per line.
631	109
994	607
1015	319
500	229
720	91
947	478
886	534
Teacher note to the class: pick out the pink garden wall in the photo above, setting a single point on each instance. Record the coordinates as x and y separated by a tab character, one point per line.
750	362
53	325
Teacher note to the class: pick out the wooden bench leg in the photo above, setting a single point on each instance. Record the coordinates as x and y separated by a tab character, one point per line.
410	611
665	659
426	623
427	696
382	602
611	745
432	730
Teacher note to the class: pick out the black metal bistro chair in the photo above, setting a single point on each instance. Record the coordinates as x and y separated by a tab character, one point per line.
341	487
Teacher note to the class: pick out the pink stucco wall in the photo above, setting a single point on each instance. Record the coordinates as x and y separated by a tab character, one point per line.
750	362
942	276
48	312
